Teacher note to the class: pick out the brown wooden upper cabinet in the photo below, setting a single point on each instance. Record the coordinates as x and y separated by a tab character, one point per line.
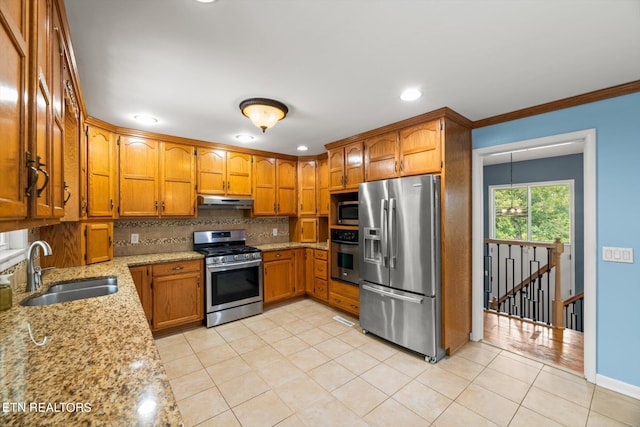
222	172
415	150
101	172
275	183
323	187
156	178
421	148
346	167
307	190
14	79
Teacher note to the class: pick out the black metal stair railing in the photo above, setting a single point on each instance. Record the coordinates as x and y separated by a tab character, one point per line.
520	279
574	312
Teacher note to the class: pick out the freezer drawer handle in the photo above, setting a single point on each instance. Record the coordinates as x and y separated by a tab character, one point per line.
392	295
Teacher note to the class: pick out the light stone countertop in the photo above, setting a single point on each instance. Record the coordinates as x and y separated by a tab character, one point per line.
99	365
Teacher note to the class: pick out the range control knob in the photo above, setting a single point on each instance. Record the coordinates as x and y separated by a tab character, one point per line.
247	256
236	257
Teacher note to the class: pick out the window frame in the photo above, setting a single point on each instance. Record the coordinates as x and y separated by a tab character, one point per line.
528	186
13	246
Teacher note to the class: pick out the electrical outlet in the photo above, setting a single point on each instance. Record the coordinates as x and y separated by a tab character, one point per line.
275	231
135	238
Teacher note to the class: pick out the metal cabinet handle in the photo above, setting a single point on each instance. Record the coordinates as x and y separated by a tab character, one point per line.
391	294
110	241
156	205
163	208
66	199
34	174
111	204
46	176
180	267
228	185
278	255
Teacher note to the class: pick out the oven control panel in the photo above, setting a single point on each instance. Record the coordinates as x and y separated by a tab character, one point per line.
231	259
344	236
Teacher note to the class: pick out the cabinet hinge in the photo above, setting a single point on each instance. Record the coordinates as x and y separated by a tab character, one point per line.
441	164
441	125
118	141
195	152
85	257
86	131
151	284
85	232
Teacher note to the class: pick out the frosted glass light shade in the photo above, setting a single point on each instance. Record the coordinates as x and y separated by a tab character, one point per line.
263	112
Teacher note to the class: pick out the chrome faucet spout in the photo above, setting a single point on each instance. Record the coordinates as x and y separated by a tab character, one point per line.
34	274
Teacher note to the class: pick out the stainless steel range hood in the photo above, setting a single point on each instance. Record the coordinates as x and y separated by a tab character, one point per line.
221	202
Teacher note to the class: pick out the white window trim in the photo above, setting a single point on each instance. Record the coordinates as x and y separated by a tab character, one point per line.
528	185
14	248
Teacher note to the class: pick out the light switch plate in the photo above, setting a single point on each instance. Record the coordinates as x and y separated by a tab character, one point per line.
613	254
135	238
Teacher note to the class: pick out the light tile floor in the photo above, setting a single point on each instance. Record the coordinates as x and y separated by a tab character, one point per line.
296	366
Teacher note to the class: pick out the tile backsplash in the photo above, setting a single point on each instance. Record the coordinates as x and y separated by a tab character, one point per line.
173	235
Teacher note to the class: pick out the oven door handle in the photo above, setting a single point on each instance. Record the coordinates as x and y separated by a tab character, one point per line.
235	266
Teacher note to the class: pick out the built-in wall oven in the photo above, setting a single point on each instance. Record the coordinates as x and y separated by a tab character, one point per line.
233	275
344	255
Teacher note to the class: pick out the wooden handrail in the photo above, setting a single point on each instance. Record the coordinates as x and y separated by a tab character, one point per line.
523	243
535	275
573	299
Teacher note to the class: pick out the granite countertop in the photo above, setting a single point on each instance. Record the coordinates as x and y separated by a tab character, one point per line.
99	364
293	245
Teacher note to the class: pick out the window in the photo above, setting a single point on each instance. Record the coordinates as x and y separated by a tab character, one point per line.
538	212
12	248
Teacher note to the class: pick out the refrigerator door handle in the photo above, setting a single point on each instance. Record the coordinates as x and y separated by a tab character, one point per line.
383	226
391	294
392	233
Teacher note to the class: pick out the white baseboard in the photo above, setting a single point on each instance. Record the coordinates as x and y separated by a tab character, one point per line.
618	386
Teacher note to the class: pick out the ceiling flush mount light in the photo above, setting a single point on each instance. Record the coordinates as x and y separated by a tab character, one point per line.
410	94
244	138
205	1
145	119
302	148
263	112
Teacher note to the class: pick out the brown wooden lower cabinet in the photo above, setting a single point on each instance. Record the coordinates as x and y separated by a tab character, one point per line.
344	296
278	274
171	293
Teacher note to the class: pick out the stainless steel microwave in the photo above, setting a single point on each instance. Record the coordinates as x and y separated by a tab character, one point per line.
348	213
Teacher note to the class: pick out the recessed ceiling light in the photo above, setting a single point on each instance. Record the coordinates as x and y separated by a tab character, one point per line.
205	1
244	138
302	148
145	119
410	94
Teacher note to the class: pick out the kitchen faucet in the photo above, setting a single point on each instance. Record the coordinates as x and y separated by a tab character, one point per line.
34	274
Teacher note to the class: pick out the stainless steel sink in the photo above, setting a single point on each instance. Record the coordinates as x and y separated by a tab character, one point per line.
82	284
74	290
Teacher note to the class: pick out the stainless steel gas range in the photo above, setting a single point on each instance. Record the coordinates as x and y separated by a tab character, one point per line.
233	275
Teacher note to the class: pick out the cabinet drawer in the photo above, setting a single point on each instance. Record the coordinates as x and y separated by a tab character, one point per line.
277	255
348	291
320	254
320	290
320	269
176	267
346	304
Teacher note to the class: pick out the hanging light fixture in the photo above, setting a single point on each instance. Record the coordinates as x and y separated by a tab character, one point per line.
512	210
263	112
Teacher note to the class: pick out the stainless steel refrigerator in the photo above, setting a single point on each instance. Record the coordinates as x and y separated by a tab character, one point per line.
399	225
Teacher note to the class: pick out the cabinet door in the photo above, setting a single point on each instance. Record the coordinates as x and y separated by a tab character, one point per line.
13	109
58	115
307	187
141	278
99	242
138	177
309	276
336	169
308	229
380	157
353	169
264	176
101	177
286	187
323	187
421	149
178	180
278	279
42	206
238	174
177	299
212	171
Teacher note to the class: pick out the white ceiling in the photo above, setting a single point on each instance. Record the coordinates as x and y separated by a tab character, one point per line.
340	65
